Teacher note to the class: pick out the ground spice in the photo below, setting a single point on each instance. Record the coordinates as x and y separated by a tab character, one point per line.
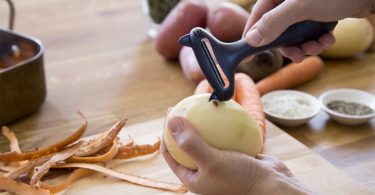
349	108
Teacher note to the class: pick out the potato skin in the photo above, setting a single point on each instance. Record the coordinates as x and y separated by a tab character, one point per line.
185	16
227	21
262	65
190	66
372	21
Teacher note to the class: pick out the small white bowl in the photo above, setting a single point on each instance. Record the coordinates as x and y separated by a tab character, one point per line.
348	95
311	101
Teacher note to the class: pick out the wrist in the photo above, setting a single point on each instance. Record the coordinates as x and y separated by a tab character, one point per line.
280	184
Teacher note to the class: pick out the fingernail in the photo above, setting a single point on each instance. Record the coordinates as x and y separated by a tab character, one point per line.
253	37
176	125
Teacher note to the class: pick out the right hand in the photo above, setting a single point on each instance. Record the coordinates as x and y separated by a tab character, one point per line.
269	18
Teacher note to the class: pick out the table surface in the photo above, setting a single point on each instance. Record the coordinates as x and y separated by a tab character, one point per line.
100	60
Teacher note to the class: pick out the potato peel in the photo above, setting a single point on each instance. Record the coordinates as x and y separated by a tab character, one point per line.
128	177
126	152
13	186
58	157
75	175
14	146
22	172
103	140
109	155
16	156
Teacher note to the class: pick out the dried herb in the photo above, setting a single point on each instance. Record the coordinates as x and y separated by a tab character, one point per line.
349	108
159	9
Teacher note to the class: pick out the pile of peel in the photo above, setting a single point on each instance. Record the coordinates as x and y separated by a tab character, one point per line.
27	172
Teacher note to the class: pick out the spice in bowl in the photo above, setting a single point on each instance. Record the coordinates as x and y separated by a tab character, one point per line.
349	108
290	108
289	105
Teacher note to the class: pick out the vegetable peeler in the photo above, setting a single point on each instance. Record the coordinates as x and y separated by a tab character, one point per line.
218	59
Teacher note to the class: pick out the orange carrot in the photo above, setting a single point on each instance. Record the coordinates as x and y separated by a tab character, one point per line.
292	75
246	94
248	97
203	87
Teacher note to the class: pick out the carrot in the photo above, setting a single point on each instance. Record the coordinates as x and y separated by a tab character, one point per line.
203	87
246	94
292	75
248	97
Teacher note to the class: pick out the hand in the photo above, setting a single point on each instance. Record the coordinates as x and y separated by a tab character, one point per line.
226	172
269	18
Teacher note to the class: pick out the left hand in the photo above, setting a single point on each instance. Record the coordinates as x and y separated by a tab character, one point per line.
227	172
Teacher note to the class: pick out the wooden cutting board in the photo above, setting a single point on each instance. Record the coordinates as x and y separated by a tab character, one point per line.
307	166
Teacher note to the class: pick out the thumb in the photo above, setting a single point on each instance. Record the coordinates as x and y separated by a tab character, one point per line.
273	23
187	138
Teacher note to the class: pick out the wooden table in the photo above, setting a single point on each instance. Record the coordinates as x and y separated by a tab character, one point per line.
100	60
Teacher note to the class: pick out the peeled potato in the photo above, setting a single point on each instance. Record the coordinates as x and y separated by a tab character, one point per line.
353	36
223	125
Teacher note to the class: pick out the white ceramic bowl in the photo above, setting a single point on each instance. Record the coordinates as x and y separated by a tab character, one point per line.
276	118
349	95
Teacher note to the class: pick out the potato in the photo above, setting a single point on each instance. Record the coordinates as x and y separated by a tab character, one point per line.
190	66
372	21
246	4
353	36
227	21
225	125
262	65
185	16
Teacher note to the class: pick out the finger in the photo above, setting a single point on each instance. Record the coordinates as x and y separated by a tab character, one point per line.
261	7
327	40
265	157
312	48
294	53
184	174
185	135
274	22
275	164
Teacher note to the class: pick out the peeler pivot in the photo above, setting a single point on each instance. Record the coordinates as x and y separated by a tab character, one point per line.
229	55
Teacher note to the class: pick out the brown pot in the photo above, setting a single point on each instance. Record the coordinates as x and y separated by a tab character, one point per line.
22	80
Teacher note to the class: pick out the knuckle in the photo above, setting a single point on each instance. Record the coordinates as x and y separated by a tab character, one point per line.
210	168
301	8
266	22
188	144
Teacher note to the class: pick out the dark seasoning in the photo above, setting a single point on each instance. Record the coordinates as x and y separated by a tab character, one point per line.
349	108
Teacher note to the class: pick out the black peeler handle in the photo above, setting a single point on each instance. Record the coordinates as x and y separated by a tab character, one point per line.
228	55
295	35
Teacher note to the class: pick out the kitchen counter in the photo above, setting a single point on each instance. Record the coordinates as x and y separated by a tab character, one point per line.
100	60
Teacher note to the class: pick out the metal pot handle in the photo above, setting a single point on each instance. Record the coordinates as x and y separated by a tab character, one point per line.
12	13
